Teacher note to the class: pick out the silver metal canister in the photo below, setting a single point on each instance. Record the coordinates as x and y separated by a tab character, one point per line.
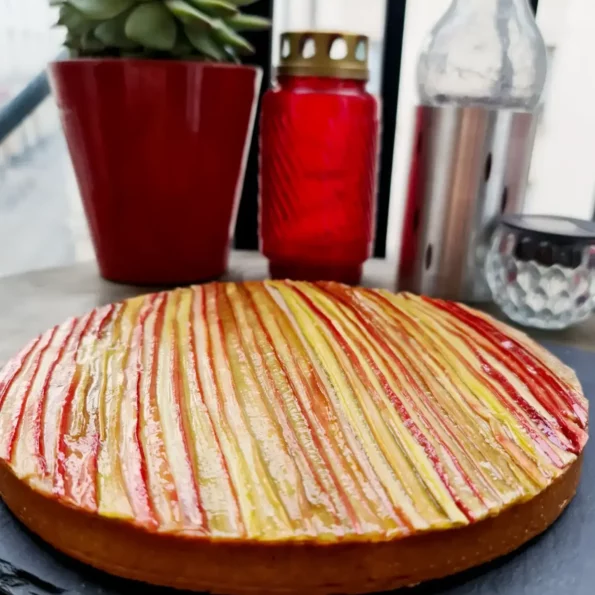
469	165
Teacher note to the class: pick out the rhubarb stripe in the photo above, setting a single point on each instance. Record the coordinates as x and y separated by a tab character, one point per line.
26	452
234	458
399	428
315	500
63	414
264	424
162	497
9	432
155	403
111	339
555	432
509	397
82	435
490	378
408	422
76	449
38	446
390	357
129	445
257	493
211	468
160	480
400	319
53	403
471	377
113	498
532	365
366	432
293	394
314	402
276	468
179	454
438	384
522	369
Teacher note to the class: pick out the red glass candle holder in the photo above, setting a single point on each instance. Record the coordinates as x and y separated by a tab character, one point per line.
319	149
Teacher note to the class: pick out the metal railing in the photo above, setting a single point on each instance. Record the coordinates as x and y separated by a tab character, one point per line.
19	108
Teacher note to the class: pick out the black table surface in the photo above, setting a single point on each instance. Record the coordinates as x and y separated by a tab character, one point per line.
560	562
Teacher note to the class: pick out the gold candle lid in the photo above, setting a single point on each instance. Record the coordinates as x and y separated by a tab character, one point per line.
324	54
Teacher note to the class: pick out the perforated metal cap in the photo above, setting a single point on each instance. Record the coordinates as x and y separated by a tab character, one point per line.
324	54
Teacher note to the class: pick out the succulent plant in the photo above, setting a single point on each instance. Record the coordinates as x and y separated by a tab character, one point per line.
179	29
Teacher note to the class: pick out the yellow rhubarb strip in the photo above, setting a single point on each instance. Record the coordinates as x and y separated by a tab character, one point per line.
312	397
365	423
210	468
263	513
404	425
111	488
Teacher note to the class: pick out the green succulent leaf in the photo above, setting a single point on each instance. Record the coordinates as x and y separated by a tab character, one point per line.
157	29
113	32
74	20
205	44
90	43
102	9
150	24
243	2
183	47
216	8
248	22
72	41
189	15
228	36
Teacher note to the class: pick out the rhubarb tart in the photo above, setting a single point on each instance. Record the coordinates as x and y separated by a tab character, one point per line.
285	437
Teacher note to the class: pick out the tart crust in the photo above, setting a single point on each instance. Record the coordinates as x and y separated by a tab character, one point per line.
287	437
240	569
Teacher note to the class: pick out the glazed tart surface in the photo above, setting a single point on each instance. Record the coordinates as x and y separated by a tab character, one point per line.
288	412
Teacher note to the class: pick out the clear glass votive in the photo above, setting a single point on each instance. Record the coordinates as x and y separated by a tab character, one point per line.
541	270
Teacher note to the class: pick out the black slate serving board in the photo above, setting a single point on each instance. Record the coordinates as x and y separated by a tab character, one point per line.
560	562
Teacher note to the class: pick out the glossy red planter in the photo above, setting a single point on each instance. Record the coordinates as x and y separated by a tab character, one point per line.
159	149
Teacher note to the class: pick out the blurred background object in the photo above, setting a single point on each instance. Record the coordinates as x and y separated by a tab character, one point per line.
561	179
469	165
480	80
483	53
158	113
541	270
41	221
319	159
367	18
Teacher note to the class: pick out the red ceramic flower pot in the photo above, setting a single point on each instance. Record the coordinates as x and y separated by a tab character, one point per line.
159	150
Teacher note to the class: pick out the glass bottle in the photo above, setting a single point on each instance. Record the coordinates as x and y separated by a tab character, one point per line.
487	53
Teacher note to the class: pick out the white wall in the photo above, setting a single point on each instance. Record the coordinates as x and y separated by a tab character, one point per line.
358	16
27	39
562	179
